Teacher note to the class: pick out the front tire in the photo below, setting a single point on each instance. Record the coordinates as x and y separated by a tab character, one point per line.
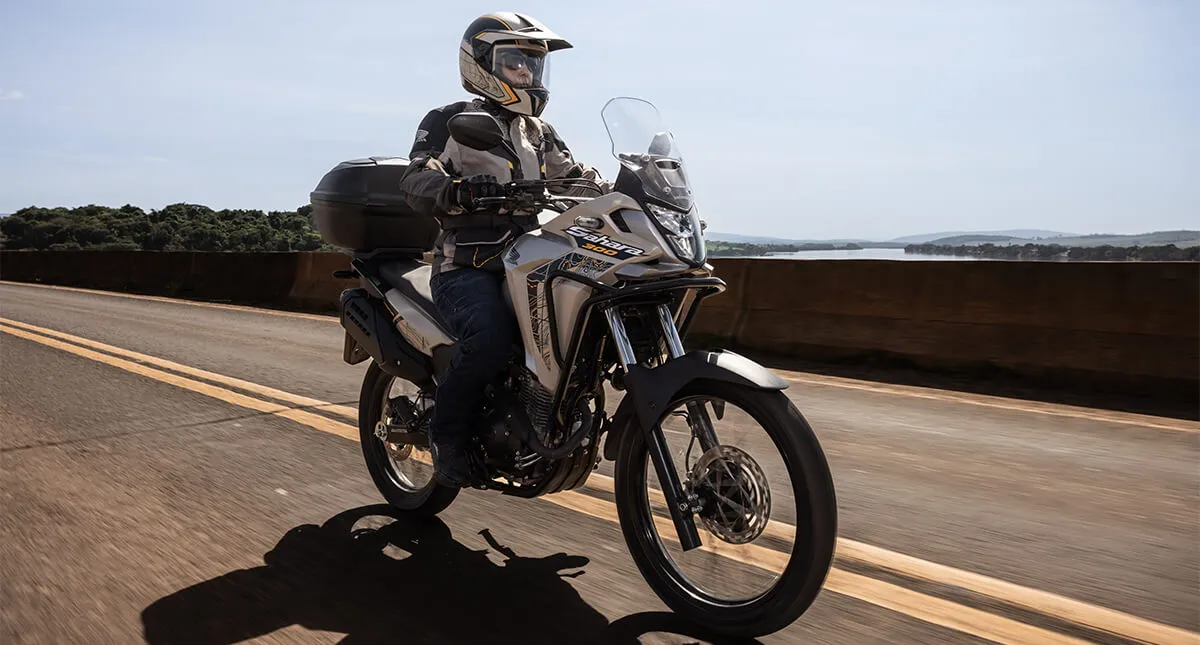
799	583
428	498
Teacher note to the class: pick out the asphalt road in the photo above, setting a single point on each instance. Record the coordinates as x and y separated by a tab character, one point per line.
149	497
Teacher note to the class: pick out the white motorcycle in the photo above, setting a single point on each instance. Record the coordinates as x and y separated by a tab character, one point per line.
735	528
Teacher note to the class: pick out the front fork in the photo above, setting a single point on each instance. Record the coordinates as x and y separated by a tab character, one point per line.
678	499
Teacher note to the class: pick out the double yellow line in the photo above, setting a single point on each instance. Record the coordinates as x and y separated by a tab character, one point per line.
924	607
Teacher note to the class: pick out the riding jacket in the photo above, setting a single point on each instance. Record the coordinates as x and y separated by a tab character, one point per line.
479	239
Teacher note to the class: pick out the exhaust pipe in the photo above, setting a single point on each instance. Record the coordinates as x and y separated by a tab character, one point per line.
368	323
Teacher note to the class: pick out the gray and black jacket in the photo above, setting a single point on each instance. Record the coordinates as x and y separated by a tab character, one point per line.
479	239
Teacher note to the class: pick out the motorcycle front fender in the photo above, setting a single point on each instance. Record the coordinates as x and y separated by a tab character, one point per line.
649	391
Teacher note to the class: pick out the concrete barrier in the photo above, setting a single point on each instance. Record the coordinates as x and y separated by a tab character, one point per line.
314	288
296	280
1126	326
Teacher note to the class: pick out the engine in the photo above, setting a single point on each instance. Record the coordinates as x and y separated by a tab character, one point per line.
519	416
537	402
513	417
504	435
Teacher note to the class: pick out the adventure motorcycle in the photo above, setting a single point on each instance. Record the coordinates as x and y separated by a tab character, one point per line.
602	292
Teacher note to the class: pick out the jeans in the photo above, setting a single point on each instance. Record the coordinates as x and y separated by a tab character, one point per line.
472	303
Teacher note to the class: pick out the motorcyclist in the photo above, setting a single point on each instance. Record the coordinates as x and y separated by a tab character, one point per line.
503	60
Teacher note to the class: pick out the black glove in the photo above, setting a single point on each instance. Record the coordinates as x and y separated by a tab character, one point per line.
465	191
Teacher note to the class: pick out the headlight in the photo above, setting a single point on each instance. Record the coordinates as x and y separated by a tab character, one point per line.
681	229
675	222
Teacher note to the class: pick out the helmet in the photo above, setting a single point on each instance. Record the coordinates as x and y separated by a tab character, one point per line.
503	59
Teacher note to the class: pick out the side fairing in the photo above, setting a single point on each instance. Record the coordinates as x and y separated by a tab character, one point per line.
595	253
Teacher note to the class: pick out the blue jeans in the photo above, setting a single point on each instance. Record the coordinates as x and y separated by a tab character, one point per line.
472	303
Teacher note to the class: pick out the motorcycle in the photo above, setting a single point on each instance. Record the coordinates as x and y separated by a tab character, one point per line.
603	293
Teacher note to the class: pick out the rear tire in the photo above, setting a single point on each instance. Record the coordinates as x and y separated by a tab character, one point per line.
812	486
430	499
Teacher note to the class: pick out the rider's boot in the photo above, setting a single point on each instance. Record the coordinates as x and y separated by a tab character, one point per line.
451	467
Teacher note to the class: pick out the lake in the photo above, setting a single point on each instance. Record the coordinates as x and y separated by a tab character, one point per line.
863	254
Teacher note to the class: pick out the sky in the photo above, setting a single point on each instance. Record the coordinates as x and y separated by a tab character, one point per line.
811	120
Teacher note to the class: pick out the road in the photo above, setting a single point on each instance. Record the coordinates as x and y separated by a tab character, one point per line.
188	472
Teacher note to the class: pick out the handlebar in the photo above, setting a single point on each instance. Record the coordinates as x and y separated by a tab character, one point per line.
527	194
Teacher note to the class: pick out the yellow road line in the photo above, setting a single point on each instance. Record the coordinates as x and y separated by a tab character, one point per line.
1042	602
1000	403
942	612
309	419
1046	603
923	607
340	410
910	391
926	608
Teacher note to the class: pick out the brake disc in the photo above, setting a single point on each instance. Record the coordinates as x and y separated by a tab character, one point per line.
397	451
735	492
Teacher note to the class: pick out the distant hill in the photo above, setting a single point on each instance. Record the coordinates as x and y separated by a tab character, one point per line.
955	240
1180	238
951	237
1021	233
1157	238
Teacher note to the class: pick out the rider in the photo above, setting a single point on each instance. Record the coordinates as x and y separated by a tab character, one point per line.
502	59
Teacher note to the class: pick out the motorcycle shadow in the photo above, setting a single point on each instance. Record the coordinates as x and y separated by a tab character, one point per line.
380	576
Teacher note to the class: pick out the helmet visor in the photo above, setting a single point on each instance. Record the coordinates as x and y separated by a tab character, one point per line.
520	66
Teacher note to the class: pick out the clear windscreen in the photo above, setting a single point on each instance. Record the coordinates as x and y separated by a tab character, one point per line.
644	146
642	143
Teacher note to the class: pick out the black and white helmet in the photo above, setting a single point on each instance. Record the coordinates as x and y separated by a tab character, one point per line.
503	59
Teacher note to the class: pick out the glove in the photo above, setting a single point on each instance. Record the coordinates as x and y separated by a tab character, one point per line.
465	191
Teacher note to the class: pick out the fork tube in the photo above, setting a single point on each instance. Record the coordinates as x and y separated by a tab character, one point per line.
656	442
698	419
668	326
620	336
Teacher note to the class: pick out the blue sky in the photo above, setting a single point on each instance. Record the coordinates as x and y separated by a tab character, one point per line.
875	119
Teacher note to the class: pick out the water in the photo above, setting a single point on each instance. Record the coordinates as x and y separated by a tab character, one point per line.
863	254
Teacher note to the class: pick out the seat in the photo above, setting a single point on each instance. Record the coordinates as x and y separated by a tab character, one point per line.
412	279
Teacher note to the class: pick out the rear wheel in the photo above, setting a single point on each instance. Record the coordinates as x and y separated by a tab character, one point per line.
403	473
767	510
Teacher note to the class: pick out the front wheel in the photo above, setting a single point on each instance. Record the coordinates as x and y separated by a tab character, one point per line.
767	512
402	473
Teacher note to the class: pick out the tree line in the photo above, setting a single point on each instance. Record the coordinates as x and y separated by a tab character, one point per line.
1164	253
177	227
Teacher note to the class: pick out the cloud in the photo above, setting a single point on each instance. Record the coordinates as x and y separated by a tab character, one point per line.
11	95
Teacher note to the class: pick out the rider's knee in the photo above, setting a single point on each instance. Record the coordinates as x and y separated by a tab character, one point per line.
490	345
